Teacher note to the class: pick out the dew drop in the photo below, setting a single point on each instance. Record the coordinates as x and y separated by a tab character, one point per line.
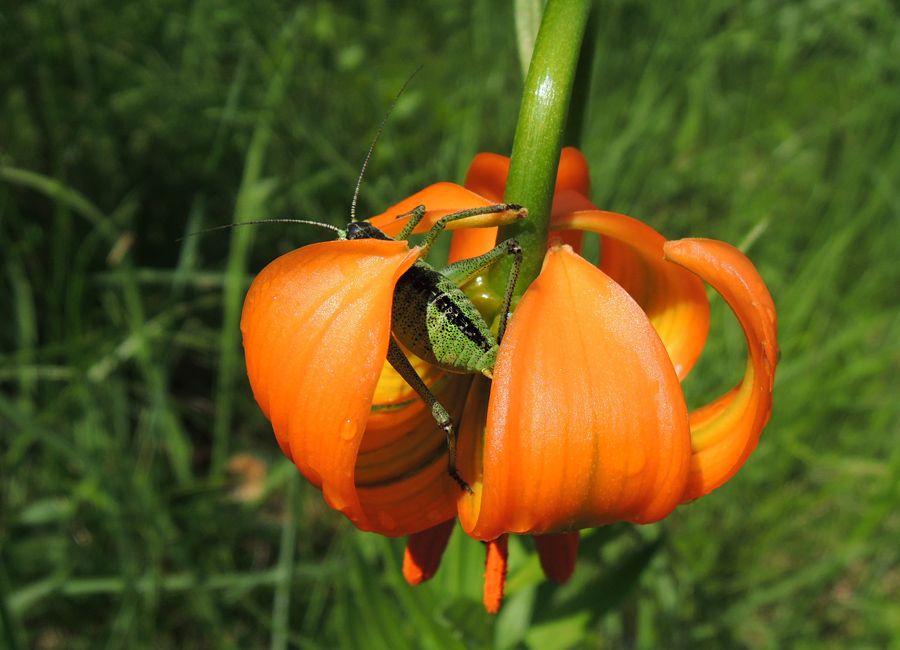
347	430
339	503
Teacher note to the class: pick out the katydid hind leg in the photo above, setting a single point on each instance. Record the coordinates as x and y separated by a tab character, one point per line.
415	216
402	365
512	248
441	223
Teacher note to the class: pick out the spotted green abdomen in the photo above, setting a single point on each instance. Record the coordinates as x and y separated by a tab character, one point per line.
438	323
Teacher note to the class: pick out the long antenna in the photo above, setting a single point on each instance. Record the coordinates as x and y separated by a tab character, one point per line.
372	148
251	223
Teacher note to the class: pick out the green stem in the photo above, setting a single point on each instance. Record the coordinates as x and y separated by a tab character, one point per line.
539	133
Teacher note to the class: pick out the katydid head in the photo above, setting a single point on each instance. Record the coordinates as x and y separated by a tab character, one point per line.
364	230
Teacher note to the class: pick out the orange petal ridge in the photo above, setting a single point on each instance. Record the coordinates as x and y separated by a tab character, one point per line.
316	324
632	255
726	431
586	422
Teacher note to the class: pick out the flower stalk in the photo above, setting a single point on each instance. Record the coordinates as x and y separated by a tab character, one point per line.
539	133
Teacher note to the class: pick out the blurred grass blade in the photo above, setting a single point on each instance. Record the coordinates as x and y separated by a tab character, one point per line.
12	631
254	191
61	192
600	595
528	20
282	600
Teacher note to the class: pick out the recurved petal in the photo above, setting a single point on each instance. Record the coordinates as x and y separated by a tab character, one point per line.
486	177
726	431
439	200
316	324
586	422
573	173
632	255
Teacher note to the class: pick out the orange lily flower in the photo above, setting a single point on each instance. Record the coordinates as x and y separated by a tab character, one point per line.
584	423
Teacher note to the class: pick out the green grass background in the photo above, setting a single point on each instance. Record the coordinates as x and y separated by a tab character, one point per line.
124	125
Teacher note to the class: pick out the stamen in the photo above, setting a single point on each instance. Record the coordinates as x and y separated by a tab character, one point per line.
424	551
495	573
558	554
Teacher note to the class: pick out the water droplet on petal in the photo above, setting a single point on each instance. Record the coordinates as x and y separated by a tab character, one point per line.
348	430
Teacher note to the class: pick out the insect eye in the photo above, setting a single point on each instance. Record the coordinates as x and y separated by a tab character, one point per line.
364	230
354	231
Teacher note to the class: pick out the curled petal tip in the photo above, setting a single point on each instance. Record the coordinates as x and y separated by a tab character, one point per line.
725	432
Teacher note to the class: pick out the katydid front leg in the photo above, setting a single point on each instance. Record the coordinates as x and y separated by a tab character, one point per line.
404	368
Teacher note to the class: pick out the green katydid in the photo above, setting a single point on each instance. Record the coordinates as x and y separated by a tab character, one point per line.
431	316
436	321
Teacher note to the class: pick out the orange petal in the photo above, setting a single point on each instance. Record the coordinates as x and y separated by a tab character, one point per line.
439	200
401	473
488	173
573	173
471	242
586	422
572	179
316	324
487	177
424	551
495	573
632	255
725	432
558	554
